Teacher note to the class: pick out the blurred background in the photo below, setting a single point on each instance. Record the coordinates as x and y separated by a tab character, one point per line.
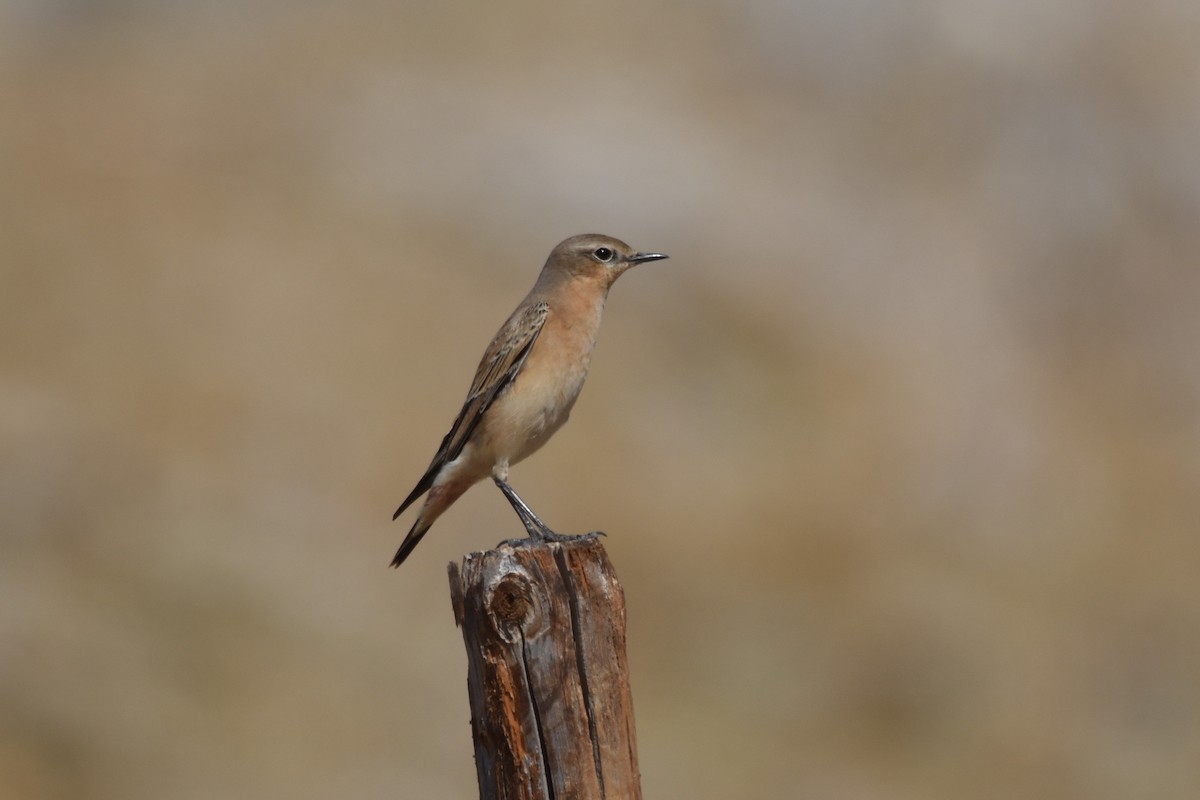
899	454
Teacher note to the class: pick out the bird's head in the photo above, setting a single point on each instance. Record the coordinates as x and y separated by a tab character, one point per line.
596	257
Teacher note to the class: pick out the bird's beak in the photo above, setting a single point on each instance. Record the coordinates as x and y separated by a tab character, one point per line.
638	258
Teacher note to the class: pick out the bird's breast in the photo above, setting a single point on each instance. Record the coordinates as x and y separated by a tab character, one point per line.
540	398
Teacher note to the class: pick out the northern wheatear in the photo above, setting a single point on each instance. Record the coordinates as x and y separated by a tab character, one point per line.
526	383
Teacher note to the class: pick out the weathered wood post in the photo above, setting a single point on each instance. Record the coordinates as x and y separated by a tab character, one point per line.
551	710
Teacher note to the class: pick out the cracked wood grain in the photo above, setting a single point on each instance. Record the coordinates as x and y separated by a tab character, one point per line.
547	675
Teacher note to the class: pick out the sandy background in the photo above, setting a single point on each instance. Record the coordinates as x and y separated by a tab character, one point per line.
899	454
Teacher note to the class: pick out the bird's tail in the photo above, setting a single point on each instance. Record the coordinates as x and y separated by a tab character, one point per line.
419	529
440	497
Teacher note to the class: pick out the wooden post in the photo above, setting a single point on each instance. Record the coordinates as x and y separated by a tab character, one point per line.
551	710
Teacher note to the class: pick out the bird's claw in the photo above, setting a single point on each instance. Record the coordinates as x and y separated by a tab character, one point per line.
550	536
528	540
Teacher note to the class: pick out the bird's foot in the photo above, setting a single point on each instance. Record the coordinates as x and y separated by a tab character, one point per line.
547	535
528	540
550	536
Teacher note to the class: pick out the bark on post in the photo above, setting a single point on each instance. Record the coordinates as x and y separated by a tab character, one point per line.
551	710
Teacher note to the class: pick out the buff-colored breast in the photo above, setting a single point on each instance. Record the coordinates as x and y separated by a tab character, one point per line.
540	399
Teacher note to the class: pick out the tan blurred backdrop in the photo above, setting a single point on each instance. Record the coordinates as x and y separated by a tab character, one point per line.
899	454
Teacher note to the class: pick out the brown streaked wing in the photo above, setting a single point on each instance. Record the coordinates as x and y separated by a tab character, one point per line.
500	364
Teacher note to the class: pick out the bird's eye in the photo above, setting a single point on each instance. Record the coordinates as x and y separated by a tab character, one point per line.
603	254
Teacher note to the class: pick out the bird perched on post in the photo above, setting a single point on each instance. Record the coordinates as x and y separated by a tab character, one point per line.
526	383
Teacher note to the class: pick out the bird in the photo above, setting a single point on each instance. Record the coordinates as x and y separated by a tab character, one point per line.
526	383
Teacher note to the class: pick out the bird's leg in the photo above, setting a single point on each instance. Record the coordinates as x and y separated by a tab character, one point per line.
533	524
538	530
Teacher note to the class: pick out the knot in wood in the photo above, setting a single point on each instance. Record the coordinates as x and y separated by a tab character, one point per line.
512	602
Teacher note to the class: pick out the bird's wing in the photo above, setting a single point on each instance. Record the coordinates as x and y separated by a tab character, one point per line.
500	364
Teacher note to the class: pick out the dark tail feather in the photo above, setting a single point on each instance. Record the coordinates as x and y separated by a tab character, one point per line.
419	529
421	487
